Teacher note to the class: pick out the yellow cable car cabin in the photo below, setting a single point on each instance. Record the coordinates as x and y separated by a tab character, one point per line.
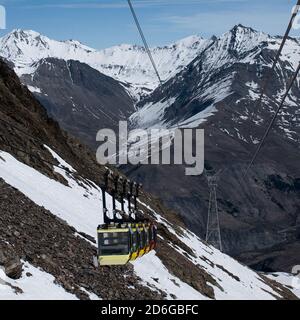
114	245
122	238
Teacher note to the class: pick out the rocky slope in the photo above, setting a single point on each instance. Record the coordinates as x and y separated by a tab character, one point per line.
49	215
79	97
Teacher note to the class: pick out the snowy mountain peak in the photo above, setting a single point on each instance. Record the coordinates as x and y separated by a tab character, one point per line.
18	38
243	29
241	38
22	34
240	31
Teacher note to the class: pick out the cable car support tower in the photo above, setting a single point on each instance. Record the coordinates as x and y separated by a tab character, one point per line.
213	232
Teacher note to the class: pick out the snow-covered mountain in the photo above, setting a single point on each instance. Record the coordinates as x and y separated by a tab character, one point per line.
49	217
74	82
218	91
126	63
232	64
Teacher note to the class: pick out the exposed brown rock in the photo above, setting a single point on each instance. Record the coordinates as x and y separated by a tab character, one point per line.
10	260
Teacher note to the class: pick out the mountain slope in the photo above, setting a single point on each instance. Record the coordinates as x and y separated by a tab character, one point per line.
217	92
80	98
48	220
232	64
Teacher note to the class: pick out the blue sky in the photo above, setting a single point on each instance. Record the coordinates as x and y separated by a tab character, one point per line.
104	23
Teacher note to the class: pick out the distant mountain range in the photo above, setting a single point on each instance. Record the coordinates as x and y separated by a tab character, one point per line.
211	84
126	63
85	89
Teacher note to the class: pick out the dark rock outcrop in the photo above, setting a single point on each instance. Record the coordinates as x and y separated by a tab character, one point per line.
9	260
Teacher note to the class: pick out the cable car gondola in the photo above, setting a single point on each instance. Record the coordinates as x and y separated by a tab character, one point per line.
114	237
123	237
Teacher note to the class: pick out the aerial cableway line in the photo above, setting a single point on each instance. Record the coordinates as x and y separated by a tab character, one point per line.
289	87
266	81
144	41
136	20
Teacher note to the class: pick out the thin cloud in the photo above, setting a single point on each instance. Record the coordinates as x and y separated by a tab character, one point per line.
217	22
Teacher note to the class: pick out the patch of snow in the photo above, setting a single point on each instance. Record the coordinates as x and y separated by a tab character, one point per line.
92	296
34	89
39	286
152	272
198	119
151	115
288	280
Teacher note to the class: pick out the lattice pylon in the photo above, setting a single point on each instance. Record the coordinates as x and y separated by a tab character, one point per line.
213	232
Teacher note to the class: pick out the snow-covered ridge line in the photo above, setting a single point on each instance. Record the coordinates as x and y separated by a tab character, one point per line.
130	64
126	63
